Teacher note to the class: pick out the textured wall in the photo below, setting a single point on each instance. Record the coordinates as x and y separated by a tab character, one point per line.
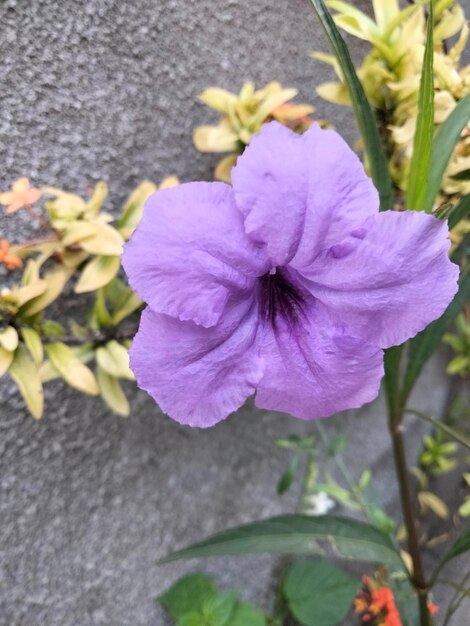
107	89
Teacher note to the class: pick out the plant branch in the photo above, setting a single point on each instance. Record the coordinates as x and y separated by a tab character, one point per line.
417	578
442	426
97	337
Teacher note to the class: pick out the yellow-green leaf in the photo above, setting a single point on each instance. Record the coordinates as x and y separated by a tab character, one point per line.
218	99
34	344
215	139
9	339
132	210
106	241
72	370
95	203
429	500
97	273
112	393
55	281
114	359
26	376
169	181
6	357
224	168
131	304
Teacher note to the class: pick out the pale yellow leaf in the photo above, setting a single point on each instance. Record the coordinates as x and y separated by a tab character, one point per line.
72	370
112	393
169	181
55	281
9	339
114	358
224	168
133	207
6	357
215	139
26	376
97	273
106	241
218	99
429	500
34	344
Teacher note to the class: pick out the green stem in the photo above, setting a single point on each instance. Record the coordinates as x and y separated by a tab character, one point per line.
418	579
442	426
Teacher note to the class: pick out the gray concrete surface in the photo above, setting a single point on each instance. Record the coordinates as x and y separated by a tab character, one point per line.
89	502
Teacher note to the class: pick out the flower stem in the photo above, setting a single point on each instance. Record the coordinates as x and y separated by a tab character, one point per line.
418	579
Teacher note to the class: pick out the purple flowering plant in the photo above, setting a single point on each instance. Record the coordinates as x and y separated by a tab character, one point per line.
300	284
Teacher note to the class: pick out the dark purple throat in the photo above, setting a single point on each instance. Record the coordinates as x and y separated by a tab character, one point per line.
279	297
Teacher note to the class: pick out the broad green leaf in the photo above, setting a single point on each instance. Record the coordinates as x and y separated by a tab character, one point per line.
112	393
72	370
6	357
443	146
114	359
363	112
55	280
34	344
423	346
218	609
422	144
461	211
9	339
245	614
187	594
26	376
319	593
97	273
298	534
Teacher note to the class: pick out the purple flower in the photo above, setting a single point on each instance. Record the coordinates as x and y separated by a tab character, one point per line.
288	284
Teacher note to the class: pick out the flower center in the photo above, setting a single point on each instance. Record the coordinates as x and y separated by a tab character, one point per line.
279	297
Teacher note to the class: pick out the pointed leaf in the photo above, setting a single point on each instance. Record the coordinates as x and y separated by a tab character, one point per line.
26	376
363	112
422	145
34	344
298	534
187	594
55	282
72	370
446	139
6	358
112	393
97	273
114	359
461	211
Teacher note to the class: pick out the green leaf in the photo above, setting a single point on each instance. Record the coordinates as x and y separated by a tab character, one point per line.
97	273
245	614
444	143
298	534
460	546
187	594
288	476
72	370
319	593
422	144
26	376
364	115
461	211
218	609
423	346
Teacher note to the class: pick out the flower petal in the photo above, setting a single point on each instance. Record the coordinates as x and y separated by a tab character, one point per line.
198	375
21	185
315	370
390	282
190	252
299	193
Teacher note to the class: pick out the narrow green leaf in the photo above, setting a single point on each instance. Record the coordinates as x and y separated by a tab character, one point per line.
364	115
461	211
319	593
34	344
461	545
423	346
443	146
288	476
422	144
298	534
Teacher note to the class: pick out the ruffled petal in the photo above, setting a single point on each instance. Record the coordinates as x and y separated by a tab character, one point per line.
190	252
390	280
198	375
301	193
313	369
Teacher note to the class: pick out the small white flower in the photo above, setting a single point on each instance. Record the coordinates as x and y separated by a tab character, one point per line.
318	504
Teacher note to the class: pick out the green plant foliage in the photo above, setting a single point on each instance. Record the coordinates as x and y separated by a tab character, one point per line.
319	593
298	534
194	600
364	116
